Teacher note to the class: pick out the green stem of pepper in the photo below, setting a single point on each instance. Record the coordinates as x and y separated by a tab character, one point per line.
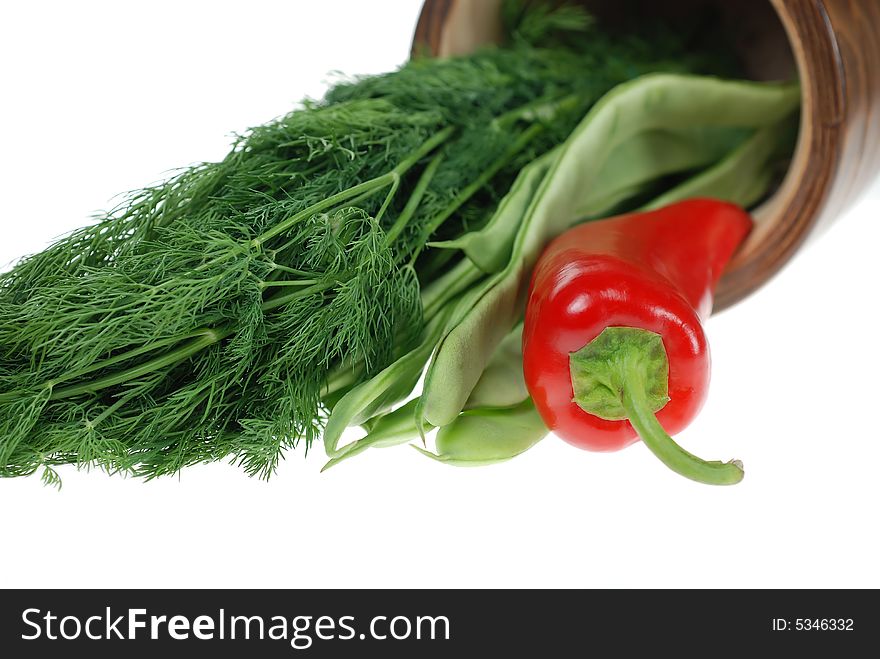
624	374
635	401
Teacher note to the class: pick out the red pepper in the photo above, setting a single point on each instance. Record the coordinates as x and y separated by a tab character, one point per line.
613	342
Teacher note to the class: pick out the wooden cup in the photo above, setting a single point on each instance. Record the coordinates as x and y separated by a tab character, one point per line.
833	46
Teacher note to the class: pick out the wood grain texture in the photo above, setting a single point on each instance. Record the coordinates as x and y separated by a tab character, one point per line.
429	28
835	45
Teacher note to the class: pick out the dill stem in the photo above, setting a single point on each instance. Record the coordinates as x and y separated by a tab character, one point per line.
207	264
414	200
288	282
198	341
94	423
209	338
130	354
442	290
292	271
281	300
429	145
388	198
339	380
367	186
483	179
541	108
356	201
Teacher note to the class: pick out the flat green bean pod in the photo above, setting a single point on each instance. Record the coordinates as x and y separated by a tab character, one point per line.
392	384
743	177
391	429
502	384
488	436
652	154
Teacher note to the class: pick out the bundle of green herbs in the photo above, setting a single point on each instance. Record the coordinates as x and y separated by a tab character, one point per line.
302	285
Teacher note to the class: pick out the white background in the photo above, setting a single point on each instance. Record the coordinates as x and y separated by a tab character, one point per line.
101	97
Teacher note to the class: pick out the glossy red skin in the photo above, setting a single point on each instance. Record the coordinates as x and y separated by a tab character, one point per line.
656	271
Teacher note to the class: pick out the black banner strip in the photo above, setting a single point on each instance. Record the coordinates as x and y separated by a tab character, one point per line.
290	623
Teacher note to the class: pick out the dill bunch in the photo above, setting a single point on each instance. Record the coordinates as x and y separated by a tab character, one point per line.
219	314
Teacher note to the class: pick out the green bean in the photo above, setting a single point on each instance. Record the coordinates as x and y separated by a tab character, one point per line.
742	177
384	431
389	386
488	436
502	384
489	247
651	155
